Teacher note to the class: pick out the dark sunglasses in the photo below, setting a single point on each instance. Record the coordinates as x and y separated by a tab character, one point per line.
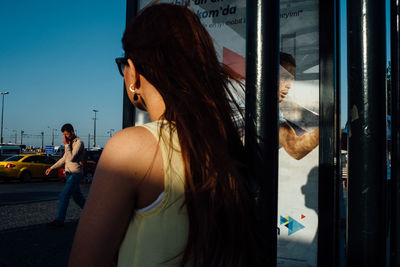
121	63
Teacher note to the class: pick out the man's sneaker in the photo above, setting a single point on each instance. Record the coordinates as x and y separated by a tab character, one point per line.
55	223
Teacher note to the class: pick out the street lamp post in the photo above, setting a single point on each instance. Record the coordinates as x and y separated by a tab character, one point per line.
94	131
42	133
2	112
22	134
52	135
15	135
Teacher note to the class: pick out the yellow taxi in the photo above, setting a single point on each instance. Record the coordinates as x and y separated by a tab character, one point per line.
25	167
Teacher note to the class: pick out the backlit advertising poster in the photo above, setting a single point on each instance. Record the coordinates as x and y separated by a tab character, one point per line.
298	157
298	116
226	23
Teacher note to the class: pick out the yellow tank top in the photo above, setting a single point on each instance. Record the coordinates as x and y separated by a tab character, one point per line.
157	236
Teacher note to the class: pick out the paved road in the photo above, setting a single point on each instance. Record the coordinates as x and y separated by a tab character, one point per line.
14	192
24	238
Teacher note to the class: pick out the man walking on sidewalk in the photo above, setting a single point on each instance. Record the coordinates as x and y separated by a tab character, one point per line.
73	155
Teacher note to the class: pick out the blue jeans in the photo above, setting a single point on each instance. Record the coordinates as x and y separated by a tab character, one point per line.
71	188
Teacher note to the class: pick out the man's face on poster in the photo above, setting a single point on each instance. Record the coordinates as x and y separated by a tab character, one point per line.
285	83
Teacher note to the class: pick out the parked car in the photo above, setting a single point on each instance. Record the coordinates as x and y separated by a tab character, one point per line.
89	163
26	167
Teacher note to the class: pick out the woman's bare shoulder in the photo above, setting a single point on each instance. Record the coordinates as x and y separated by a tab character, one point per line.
131	138
130	151
114	193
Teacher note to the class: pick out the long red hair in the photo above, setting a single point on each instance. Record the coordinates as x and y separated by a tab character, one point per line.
170	47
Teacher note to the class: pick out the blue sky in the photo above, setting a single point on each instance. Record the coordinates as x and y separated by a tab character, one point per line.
57	62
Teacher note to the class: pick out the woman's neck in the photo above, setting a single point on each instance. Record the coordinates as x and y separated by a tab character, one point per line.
155	105
156	112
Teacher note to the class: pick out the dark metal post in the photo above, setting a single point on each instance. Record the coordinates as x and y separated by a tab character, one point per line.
340	200
52	136
262	60
366	233
131	10
94	127
328	124
42	133
22	134
2	112
129	111
395	147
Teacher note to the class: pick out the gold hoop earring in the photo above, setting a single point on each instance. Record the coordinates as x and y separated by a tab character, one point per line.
130	88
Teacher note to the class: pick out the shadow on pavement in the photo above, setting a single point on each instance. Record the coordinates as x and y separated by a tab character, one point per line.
36	245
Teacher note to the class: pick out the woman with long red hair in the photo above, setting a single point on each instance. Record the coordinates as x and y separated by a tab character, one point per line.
172	192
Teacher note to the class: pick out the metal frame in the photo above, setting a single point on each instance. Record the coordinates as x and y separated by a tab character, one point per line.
395	146
329	125
129	110
262	72
367	218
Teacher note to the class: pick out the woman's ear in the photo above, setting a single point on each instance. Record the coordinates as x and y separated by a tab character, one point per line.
132	79
131	66
133	74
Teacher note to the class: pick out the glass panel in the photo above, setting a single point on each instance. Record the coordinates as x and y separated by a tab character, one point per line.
14	158
31	159
49	160
298	138
226	23
41	159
